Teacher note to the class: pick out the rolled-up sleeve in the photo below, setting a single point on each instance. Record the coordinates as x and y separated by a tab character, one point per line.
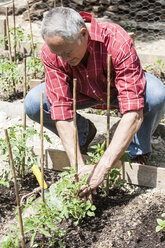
57	88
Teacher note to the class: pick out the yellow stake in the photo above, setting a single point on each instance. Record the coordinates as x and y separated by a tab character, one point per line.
37	173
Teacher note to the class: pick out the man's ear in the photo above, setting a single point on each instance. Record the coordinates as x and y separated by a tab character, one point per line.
83	33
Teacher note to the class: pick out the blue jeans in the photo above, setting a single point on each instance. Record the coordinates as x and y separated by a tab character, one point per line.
153	111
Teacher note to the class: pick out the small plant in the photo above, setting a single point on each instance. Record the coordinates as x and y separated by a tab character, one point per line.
160	64
10	75
39	68
113	178
20	36
42	221
18	140
97	154
67	192
161	224
5	178
163	120
61	202
10	242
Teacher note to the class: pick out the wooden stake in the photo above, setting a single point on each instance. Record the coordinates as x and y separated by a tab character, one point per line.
108	96
75	126
14	22
9	45
24	113
42	148
32	42
16	189
8	35
54	3
62	5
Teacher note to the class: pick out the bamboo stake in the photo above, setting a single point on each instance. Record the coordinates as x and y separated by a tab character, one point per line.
24	113
108	111
5	35
32	41
14	22
62	5
16	189
9	45
108	96
75	126
42	148
8	35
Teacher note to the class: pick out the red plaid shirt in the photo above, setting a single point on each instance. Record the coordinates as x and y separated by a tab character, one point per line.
127	76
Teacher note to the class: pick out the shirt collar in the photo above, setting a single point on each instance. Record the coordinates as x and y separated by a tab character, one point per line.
95	31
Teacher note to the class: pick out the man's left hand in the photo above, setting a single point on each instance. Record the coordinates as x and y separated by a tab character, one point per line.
96	177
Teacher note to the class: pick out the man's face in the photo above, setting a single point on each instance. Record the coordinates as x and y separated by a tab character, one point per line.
70	52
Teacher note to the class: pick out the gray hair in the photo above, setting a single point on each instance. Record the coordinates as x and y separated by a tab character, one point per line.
62	22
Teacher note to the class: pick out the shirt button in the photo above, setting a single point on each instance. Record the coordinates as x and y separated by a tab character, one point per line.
94	91
87	76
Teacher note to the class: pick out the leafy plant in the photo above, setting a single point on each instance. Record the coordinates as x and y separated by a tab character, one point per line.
18	140
19	36
11	241
5	178
148	67
10	75
113	178
160	64
39	68
97	154
67	192
161	224
44	221
45	216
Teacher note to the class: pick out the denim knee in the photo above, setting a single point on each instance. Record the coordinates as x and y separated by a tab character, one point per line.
32	106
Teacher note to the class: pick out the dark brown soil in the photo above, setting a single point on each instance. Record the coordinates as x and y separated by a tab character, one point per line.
125	218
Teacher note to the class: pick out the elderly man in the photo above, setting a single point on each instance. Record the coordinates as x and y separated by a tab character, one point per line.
77	46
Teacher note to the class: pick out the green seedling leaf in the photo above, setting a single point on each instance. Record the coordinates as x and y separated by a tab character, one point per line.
161	222
89	213
46	233
158	228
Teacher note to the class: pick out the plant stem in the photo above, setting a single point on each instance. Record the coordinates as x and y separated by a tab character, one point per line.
16	189
32	42
75	126
14	22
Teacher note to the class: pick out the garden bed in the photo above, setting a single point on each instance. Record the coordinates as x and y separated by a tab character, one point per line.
125	218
